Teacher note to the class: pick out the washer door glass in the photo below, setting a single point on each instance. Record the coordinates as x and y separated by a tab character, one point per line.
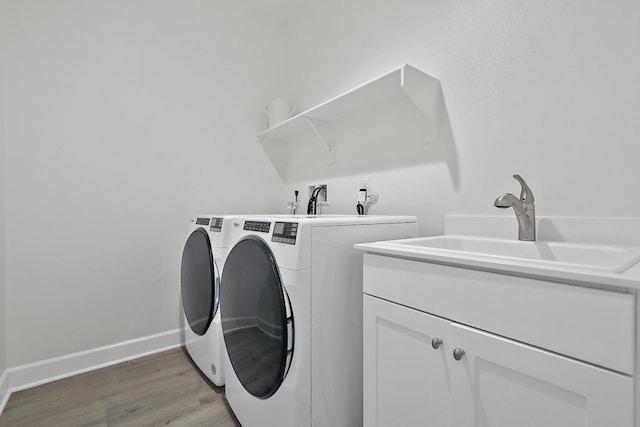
256	317
199	282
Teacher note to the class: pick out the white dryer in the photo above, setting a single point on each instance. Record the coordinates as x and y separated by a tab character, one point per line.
202	261
291	305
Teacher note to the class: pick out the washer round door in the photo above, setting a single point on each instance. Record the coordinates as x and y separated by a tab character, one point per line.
257	321
199	282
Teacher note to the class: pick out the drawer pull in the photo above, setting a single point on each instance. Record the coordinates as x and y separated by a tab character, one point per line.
436	342
458	353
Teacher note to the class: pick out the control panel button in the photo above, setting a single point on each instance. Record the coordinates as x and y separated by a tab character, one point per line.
259	226
202	221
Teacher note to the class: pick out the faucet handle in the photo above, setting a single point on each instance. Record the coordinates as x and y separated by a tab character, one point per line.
526	195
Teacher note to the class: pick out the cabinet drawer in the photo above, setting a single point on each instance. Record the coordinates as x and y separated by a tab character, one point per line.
592	325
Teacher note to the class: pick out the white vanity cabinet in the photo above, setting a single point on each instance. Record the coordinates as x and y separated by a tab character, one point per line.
406	382
529	350
500	382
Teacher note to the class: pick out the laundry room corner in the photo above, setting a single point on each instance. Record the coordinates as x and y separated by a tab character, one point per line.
3	305
121	119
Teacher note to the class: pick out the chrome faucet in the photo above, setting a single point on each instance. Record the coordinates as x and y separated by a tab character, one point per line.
524	207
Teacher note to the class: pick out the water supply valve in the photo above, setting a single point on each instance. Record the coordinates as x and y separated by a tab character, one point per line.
365	199
293	206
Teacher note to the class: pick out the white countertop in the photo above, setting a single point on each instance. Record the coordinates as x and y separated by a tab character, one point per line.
628	278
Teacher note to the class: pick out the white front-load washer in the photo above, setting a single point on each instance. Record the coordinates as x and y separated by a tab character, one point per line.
202	261
291	306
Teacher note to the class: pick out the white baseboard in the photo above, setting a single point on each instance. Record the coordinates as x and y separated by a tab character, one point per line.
4	390
45	371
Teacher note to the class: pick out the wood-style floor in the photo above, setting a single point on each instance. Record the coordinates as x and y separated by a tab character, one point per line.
162	389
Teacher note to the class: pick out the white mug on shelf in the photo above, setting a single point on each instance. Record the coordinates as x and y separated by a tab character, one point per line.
279	110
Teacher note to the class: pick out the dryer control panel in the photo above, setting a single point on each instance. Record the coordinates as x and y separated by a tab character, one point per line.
202	221
259	226
285	232
216	225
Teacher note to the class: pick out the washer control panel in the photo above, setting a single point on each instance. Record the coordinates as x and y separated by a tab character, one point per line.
216	225
259	226
285	232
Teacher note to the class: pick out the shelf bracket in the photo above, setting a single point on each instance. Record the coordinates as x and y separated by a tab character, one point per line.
324	133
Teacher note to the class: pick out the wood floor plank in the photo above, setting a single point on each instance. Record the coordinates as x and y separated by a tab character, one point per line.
161	389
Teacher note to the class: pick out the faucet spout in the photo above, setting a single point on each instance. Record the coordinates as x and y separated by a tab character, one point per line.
508	200
524	209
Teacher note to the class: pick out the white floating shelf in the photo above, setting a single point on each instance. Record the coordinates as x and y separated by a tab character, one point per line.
400	83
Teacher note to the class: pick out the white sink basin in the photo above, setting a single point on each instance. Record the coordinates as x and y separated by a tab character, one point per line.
608	258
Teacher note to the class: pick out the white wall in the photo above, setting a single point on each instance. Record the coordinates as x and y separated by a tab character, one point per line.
3	305
546	89
122	119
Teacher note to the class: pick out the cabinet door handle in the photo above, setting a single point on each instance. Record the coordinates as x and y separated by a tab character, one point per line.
458	353
436	342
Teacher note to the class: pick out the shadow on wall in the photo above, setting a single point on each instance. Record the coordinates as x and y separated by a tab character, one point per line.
390	137
547	230
448	142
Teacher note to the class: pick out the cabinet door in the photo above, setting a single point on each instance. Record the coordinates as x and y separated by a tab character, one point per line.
406	380
502	383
